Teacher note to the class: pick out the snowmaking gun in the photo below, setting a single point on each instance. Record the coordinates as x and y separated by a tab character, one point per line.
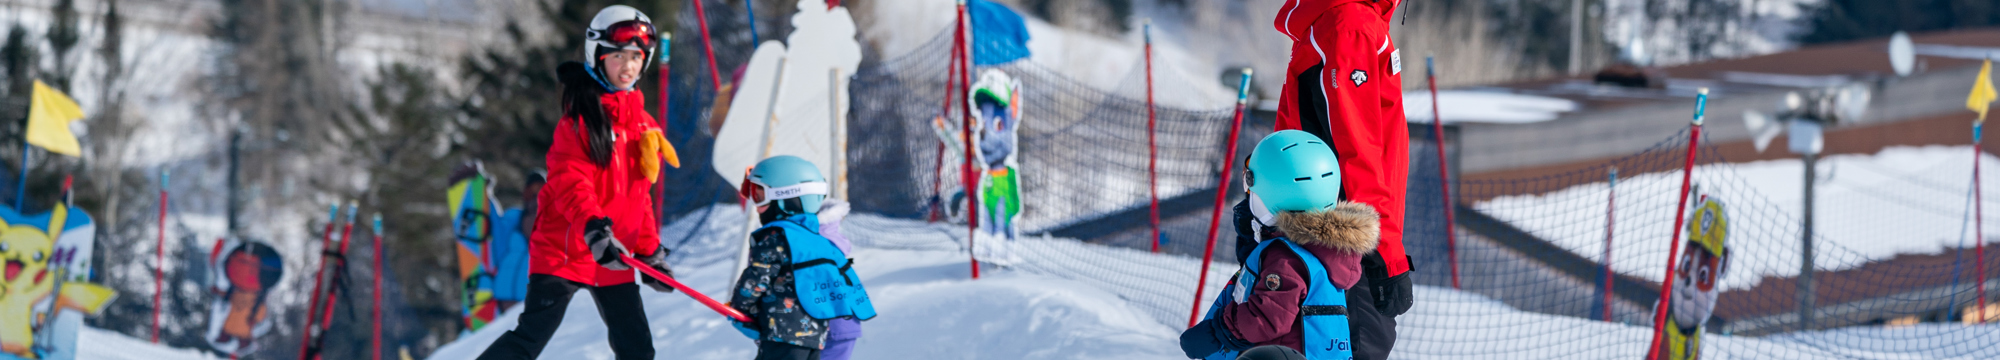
719	308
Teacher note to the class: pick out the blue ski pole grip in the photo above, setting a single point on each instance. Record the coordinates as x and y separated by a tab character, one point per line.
1243	87
352	208
1430	66
333	213
1976	130
163	178
1700	105
378	223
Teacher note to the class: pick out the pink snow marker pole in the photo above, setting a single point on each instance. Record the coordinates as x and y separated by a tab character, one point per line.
1444	172
1221	194
1152	145
377	354
1680	218
160	259
719	308
970	179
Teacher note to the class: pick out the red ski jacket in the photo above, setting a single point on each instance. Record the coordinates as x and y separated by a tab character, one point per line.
579	190
1344	83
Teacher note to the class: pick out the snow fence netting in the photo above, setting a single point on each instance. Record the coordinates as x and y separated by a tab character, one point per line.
1530	251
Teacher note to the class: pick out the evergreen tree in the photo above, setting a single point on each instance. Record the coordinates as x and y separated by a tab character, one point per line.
1847	20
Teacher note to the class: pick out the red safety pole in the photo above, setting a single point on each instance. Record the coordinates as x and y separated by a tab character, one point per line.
377	354
1152	145
160	259
1978	222
326	317
937	172
1444	172
1221	193
970	179
332	218
708	46
1610	219
1680	218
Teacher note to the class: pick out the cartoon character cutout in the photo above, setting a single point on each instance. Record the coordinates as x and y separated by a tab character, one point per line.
44	290
996	102
473	210
244	273
1701	265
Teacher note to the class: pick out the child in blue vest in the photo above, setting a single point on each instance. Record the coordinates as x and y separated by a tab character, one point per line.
1290	297
798	280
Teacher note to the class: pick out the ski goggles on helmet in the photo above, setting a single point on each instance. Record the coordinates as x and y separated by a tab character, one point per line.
627	35
760	194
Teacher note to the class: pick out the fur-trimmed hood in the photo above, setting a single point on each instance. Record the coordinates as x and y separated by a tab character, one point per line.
1351	227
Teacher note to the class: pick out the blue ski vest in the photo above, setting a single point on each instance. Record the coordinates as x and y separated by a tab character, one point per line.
1323	313
823	276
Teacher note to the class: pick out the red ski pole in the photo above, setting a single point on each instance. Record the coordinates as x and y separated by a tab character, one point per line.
332	218
1221	194
719	308
160	259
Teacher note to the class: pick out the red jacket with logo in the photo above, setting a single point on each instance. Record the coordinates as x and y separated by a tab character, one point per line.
1360	82
579	190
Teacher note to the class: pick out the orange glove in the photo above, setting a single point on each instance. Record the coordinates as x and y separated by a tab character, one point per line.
652	147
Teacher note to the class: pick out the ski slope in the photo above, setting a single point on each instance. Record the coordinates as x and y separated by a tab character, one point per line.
1069	300
100	344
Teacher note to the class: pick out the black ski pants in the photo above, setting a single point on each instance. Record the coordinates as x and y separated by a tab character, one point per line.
548	297
773	350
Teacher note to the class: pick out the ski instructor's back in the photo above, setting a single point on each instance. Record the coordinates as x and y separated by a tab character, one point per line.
1344	85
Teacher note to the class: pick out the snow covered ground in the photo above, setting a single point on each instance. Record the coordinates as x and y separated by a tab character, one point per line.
1901	200
1068	300
99	344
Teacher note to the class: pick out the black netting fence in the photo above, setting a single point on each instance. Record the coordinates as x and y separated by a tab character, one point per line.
1534	276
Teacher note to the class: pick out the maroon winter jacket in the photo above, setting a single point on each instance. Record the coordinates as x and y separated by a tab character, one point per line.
1337	238
579	190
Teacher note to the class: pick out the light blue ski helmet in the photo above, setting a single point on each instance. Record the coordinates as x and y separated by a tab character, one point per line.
1293	170
788	177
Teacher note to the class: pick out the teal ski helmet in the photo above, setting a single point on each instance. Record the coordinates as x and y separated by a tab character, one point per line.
1293	170
781	179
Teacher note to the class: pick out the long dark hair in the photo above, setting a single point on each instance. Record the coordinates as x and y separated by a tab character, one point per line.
579	100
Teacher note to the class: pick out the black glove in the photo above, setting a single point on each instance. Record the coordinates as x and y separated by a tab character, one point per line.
1199	341
604	248
1392	293
658	260
1209	337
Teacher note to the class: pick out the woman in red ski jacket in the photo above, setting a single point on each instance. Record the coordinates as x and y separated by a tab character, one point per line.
596	208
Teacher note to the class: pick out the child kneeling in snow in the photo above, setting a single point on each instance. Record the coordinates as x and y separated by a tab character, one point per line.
1290	298
800	290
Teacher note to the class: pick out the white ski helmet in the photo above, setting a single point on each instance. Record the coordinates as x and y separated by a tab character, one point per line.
618	27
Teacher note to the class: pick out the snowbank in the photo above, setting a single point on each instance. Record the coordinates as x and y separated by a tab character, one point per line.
100	344
1461	106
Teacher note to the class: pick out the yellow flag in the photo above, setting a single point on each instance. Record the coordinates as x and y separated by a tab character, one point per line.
1982	91
48	121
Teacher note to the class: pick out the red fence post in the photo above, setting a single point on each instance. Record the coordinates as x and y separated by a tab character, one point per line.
1221	193
1444	172
708	46
306	332
1680	217
1978	222
968	178
160	259
1152	144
